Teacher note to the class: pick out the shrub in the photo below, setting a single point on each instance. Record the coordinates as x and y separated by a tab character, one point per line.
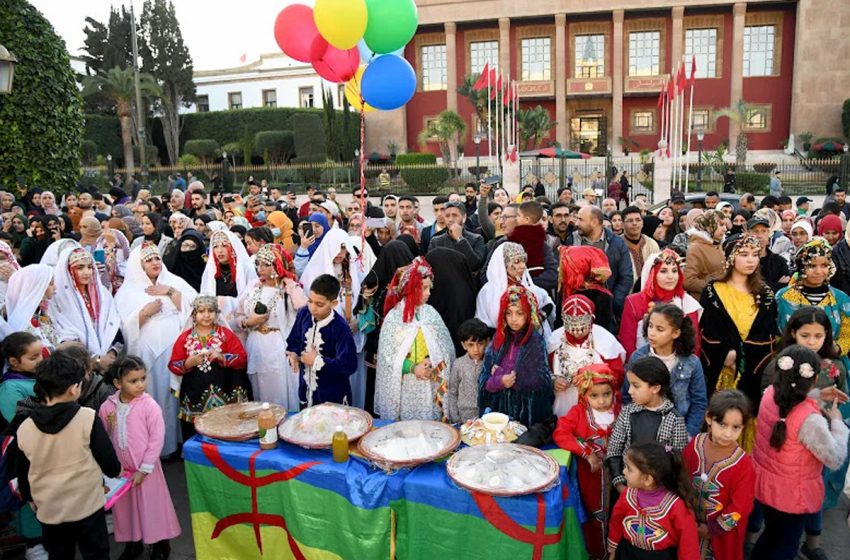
747	181
424	179
764	167
416	158
89	152
202	149
151	154
309	136
42	119
105	132
188	160
336	175
289	175
276	146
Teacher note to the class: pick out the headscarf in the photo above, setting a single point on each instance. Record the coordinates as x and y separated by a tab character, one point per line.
121	211
119	225
454	291
708	223
239	221
739	229
10	255
406	287
735	244
583	267
322	263
804	225
650	224
408	240
189	265
93	226
25	294
318	218
17	236
274	255
815	247
651	289
577	313
133	225
528	302
773	219
830	222
594	374
691	217
394	255
242	273
721	205
94	322
51	255
281	221
50	208
487	306
156	220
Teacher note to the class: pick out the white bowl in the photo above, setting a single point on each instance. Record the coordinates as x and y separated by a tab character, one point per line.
495	421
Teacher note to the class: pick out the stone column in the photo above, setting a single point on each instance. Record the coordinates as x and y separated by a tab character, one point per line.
736	89
451	66
505	48
677	38
617	84
561	79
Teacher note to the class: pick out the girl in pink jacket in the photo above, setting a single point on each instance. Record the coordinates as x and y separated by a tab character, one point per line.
794	441
133	419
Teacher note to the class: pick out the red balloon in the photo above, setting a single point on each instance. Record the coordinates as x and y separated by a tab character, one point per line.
336	65
296	34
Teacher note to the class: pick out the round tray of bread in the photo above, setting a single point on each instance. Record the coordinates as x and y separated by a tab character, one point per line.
314	427
235	422
408	443
503	469
493	427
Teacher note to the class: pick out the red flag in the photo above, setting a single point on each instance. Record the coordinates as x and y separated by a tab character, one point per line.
681	82
481	82
498	86
693	70
670	92
508	96
661	96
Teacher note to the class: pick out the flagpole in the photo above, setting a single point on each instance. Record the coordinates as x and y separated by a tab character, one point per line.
674	109
489	118
690	127
682	126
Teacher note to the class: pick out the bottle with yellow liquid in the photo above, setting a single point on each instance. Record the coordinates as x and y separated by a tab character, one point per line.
267	427
339	445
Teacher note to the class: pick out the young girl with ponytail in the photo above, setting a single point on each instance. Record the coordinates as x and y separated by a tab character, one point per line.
794	441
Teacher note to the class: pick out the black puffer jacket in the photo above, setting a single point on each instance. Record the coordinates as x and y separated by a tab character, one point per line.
841	258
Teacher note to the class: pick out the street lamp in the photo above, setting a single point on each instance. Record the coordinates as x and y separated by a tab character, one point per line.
700	137
477	140
7	70
110	171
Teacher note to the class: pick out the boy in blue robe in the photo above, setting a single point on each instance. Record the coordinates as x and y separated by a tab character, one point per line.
321	347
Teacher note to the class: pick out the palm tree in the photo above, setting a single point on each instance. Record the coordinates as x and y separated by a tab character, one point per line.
737	114
534	125
476	98
117	85
448	129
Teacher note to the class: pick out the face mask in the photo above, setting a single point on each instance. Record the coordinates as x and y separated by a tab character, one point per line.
260	216
276	232
736	230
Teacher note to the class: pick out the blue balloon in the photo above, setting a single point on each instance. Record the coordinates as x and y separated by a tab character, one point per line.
388	82
367	55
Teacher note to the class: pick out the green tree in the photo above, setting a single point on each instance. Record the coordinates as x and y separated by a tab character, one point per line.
737	113
333	124
448	129
106	46
118	86
166	57
41	121
534	126
476	98
203	149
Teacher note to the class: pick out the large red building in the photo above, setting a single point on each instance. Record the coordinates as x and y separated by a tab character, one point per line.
597	66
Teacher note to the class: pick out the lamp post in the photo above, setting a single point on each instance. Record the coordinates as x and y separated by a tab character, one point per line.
7	70
477	140
700	136
110	170
225	172
844	170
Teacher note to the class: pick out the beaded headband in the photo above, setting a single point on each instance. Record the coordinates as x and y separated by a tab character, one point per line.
266	255
205	302
747	241
577	314
219	239
79	256
149	252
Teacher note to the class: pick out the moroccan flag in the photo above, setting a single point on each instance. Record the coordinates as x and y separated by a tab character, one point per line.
498	86
481	82
681	82
693	70
670	91
661	96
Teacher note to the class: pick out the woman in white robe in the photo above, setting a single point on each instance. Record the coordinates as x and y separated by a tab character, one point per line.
229	273
83	309
27	299
154	306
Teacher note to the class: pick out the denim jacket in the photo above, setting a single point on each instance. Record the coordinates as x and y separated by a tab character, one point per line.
687	388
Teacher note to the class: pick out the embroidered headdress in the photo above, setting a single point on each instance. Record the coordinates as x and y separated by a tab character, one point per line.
90	292
79	256
808	252
522	296
652	290
407	286
594	374
220	239
578	315
149	251
205	302
583	268
272	254
737	243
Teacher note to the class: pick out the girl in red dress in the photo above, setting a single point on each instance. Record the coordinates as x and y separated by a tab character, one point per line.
723	477
584	432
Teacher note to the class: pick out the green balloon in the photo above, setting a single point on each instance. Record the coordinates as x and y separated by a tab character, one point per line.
390	25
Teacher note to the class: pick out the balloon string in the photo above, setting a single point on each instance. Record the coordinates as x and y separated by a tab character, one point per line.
362	173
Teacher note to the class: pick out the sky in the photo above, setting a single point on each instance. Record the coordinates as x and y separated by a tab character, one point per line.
217	33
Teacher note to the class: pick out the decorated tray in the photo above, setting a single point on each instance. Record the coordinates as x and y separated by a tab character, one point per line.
490	428
234	422
314	427
503	469
408	443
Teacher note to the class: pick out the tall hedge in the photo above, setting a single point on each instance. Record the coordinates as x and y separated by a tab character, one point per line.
276	146
41	121
309	136
105	132
845	118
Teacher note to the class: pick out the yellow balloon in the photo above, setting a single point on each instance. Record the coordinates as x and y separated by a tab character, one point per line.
341	22
352	91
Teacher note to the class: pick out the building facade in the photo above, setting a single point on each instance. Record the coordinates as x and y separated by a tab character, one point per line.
597	66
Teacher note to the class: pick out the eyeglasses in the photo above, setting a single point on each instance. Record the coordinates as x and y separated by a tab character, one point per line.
509	216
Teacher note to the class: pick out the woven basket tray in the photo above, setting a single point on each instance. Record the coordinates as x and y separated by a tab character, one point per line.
503	469
235	422
438	440
313	428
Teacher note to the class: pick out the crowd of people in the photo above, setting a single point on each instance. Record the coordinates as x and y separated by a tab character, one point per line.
693	359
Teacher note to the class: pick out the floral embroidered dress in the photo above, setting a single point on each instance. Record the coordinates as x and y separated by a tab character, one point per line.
137	431
725	492
211	384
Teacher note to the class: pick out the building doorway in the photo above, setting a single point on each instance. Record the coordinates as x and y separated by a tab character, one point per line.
589	134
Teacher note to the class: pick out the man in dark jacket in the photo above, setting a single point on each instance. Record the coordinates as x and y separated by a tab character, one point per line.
456	237
590	232
841	258
774	269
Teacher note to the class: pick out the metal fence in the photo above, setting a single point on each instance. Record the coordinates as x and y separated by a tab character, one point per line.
799	177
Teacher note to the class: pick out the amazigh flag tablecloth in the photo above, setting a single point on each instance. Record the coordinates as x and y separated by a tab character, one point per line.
297	503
